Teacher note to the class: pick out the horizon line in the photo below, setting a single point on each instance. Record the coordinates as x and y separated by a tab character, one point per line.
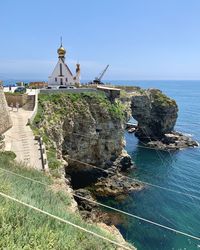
106	80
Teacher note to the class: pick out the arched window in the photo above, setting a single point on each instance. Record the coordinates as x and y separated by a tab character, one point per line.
61	69
66	79
55	79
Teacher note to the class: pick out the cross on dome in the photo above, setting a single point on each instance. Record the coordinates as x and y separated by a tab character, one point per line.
61	50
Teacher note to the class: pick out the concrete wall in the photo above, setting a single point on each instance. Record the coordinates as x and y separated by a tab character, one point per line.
35	107
81	90
18	98
5	120
111	93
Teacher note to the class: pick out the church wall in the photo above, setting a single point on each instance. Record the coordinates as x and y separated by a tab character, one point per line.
65	73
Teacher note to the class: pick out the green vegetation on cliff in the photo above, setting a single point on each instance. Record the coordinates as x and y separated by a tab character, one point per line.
23	228
64	108
78	103
161	99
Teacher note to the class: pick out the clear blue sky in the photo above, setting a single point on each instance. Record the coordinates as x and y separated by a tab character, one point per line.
140	39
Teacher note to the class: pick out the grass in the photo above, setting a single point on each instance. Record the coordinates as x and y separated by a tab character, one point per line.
52	159
23	228
75	99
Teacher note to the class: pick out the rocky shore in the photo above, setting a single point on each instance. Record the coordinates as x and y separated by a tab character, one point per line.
91	211
172	141
115	186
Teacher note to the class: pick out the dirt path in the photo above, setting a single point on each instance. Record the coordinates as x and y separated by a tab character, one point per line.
20	139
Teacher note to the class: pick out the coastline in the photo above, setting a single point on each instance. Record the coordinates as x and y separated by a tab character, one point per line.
89	211
138	165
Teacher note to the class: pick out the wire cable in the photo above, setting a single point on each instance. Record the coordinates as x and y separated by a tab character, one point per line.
133	179
140	218
64	221
115	209
157	151
136	180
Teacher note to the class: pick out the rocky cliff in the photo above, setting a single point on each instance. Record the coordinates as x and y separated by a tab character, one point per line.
84	127
85	130
156	114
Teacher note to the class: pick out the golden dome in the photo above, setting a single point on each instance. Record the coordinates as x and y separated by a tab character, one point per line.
61	51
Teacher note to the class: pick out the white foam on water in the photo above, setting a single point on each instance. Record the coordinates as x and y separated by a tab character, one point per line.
186	134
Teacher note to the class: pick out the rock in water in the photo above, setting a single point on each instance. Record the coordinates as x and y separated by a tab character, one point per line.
123	162
115	185
155	112
172	141
156	115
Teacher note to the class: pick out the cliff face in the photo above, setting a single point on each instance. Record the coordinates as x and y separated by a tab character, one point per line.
85	127
155	112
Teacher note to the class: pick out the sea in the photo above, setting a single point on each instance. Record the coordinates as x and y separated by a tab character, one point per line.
178	171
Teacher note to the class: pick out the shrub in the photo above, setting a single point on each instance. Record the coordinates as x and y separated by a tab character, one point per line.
24	228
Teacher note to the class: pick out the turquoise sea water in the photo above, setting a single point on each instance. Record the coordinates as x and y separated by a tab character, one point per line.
179	171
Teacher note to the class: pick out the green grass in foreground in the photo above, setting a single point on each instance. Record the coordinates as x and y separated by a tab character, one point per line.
23	228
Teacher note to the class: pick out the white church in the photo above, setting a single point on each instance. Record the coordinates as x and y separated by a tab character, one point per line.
62	75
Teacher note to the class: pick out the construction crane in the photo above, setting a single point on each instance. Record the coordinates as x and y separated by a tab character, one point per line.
97	80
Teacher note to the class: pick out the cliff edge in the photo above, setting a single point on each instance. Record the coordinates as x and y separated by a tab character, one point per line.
86	132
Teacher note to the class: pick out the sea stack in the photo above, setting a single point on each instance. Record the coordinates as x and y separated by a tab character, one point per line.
155	112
